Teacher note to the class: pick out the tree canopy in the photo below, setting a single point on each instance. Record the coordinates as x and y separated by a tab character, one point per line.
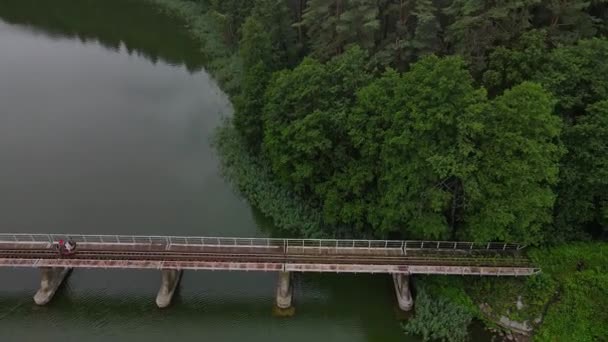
451	119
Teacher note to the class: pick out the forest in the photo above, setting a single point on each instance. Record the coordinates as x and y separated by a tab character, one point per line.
427	119
470	120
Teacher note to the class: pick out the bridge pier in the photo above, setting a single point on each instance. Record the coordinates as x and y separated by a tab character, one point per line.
51	279
169	281
402	289
284	290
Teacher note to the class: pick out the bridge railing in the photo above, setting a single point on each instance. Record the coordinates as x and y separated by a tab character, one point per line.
262	242
496	246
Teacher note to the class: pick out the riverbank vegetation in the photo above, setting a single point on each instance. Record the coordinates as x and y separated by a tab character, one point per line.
427	119
566	302
438	319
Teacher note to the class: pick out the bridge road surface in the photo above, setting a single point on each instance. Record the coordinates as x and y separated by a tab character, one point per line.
255	254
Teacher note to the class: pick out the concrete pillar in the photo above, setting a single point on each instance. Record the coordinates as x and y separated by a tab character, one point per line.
284	290
402	289
52	277
169	281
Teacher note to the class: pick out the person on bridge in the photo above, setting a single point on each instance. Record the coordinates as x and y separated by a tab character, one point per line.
69	246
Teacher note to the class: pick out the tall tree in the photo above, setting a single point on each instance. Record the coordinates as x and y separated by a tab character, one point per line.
582	206
427	153
333	24
511	196
256	53
351	196
255	45
523	61
276	18
576	76
569	20
410	29
477	25
231	14
303	115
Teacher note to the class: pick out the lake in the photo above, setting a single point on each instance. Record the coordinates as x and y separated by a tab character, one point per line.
105	124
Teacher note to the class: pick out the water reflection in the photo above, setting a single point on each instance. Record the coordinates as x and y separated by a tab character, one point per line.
147	33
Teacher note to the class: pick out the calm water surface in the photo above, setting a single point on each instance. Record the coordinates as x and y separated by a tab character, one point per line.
105	119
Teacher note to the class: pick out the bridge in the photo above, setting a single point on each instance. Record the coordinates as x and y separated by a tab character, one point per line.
173	254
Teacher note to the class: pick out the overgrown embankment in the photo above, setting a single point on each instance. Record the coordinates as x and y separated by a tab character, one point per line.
254	179
566	302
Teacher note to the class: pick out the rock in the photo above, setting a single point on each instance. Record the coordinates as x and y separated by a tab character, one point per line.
519	303
519	327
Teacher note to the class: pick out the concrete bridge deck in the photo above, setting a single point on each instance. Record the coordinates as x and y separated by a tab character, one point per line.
259	254
172	254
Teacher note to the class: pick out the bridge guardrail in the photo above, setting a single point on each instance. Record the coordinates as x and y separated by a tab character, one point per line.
264	242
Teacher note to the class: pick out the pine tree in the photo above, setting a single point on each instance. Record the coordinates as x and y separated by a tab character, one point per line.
276	19
569	20
333	24
411	30
478	25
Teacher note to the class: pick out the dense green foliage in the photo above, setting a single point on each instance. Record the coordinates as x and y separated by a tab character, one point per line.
439	319
401	151
580	275
566	302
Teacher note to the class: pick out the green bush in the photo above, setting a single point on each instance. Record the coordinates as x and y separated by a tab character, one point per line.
439	319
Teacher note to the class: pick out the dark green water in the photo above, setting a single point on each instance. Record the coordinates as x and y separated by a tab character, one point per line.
105	120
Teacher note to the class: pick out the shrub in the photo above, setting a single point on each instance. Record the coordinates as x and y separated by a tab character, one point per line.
439	319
